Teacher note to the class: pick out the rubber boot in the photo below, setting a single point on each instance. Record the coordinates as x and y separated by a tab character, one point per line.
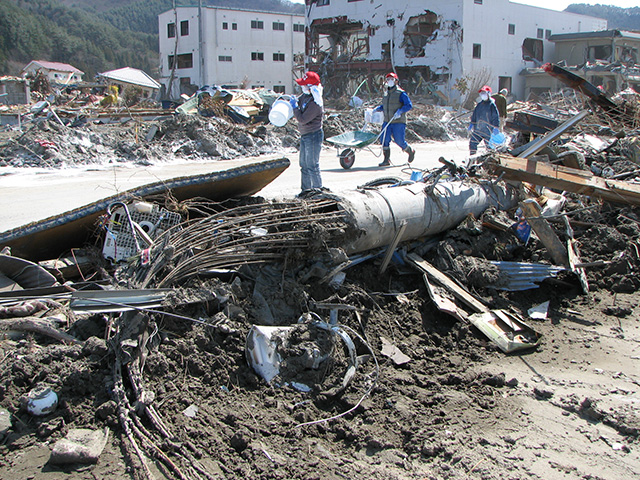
411	152
387	157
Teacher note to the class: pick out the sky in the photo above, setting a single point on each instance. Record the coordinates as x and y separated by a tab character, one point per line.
559	5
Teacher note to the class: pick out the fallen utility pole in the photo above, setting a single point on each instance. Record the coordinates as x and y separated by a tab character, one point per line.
565	178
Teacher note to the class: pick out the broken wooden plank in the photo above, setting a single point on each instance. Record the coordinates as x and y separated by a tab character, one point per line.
565	178
459	292
546	234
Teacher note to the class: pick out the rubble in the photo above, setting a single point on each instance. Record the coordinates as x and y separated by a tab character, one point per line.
360	333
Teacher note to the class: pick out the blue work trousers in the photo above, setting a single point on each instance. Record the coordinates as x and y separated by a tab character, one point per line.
395	130
310	146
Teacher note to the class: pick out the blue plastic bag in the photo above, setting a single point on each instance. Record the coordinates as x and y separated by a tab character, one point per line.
497	139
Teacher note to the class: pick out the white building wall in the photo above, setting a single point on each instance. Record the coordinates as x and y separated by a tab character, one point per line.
238	44
488	25
485	24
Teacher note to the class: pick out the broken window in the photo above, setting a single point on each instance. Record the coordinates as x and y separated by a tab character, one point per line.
512	29
599	52
257	24
477	50
185	60
504	82
628	55
278	57
532	50
419	31
278	26
257	56
171	30
184	28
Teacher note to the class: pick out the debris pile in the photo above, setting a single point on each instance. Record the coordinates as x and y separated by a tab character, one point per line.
357	334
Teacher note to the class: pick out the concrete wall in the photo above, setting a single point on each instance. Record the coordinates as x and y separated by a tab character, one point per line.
239	44
463	23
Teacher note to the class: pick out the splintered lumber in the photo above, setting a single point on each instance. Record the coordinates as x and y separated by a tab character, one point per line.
564	178
547	236
459	292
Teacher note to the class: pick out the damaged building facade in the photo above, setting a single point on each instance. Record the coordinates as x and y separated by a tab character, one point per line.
606	58
442	49
231	48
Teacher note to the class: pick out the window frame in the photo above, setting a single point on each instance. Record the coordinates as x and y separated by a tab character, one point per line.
540	33
225	25
171	30
225	58
477	47
511	29
257	24
184	28
298	27
279	57
278	24
257	56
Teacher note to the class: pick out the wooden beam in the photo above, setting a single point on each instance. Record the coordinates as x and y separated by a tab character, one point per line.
564	178
547	236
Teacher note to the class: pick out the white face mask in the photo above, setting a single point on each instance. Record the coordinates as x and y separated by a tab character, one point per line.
305	89
391	83
484	96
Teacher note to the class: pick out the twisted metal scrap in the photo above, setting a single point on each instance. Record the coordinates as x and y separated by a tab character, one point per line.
246	234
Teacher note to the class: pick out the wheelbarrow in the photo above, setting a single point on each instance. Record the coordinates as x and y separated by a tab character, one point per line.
346	144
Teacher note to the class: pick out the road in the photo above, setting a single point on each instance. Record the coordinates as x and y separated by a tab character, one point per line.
27	195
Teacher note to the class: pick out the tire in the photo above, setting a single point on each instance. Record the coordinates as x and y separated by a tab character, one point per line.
382	182
347	158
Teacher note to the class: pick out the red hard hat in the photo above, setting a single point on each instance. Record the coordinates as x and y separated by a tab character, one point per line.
486	88
391	75
309	78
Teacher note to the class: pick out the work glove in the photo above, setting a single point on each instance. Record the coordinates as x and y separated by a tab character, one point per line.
470	127
496	131
395	116
293	101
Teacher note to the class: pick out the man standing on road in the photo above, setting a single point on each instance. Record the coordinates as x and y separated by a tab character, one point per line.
395	105
484	120
308	111
501	103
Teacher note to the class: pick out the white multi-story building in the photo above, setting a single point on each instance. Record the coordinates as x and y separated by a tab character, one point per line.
440	47
231	48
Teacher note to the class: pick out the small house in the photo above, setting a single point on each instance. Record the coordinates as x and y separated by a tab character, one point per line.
126	77
56	72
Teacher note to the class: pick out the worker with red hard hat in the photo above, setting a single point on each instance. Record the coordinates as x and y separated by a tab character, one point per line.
308	111
485	120
395	105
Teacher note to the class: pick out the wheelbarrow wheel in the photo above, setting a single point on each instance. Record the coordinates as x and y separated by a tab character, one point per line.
347	158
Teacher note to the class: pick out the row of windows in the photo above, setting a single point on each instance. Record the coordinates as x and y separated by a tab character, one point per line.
186	60
321	3
541	33
255	25
277	57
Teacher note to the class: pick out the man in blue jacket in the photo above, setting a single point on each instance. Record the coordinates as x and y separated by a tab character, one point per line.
484	120
395	105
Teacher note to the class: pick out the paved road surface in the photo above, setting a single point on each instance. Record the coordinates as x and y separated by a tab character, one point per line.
27	195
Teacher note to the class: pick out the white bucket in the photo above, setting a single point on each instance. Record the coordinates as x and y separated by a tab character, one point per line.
280	113
376	118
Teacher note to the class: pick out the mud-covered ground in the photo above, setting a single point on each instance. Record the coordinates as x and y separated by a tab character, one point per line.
459	408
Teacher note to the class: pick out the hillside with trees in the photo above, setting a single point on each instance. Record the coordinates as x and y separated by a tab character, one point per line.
617	17
94	35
